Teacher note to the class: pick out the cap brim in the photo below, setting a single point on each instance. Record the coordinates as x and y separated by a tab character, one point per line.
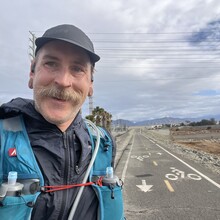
41	41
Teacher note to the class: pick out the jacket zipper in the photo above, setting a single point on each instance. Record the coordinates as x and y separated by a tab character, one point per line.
76	163
65	178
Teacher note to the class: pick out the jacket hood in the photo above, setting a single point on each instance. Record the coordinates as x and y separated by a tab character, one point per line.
18	106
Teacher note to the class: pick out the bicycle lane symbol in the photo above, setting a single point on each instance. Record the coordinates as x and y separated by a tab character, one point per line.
181	174
140	158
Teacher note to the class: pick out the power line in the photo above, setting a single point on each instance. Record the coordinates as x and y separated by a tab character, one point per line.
151	50
157	46
151	79
155	41
164	67
152	33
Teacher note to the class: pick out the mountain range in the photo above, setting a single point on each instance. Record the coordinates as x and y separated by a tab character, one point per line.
161	121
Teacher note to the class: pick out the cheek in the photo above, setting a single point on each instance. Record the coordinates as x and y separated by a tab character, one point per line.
89	89
41	79
83	85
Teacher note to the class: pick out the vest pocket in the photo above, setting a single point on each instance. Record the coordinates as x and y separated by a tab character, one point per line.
110	202
19	208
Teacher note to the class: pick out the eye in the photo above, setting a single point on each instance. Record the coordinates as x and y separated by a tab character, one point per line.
51	64
77	69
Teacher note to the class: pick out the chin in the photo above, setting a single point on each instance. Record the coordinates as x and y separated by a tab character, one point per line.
56	121
59	117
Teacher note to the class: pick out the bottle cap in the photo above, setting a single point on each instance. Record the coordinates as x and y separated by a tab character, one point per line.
109	172
12	178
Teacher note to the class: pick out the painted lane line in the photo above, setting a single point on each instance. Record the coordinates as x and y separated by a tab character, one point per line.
201	174
155	163
151	140
170	188
127	161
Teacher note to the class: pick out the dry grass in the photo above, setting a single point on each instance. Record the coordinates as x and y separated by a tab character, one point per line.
202	138
204	145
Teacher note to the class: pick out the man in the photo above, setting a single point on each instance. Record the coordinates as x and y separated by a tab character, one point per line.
61	77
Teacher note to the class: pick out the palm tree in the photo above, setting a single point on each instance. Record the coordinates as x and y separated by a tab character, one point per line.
100	117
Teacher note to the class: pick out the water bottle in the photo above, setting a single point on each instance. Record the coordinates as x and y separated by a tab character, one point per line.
111	180
12	187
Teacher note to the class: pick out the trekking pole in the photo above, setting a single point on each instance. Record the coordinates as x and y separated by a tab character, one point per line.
76	202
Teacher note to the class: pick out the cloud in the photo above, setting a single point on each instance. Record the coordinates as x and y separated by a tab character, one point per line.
157	59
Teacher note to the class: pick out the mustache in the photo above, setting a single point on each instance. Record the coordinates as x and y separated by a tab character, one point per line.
59	93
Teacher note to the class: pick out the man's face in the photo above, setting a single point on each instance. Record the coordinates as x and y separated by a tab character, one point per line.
61	82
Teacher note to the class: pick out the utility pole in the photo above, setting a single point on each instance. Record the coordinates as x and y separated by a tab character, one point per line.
32	46
90	104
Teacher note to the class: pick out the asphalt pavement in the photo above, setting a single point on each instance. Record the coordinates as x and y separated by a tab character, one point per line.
161	185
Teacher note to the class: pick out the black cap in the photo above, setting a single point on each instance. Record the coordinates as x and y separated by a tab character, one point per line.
71	34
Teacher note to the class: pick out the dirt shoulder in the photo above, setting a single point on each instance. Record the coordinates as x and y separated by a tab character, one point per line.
208	146
203	149
204	138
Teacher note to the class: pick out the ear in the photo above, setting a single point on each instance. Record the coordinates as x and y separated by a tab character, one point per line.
30	83
31	75
90	93
33	64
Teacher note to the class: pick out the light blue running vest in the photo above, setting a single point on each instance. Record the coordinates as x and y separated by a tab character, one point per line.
14	136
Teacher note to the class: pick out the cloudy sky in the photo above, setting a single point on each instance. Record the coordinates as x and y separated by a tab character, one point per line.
159	58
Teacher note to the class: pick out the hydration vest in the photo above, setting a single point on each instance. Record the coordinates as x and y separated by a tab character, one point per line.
16	155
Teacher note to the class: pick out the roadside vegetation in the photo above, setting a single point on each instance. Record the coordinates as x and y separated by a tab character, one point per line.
101	117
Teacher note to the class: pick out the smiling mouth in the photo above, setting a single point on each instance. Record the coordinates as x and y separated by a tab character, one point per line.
58	99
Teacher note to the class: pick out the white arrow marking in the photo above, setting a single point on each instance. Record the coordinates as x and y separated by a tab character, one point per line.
144	187
159	153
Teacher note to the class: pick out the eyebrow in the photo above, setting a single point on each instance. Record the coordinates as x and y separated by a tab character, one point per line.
77	62
47	56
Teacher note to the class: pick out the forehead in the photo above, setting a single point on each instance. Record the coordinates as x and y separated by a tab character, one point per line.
61	49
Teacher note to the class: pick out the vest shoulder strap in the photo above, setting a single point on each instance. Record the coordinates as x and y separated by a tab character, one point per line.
16	152
105	153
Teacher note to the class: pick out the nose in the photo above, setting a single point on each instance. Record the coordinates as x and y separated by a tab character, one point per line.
63	78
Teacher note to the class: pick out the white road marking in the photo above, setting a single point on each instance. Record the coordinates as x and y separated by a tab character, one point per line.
126	164
193	176
140	158
144	187
180	173
201	174
171	176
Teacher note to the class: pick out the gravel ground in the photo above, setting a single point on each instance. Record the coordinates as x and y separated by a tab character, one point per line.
123	139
